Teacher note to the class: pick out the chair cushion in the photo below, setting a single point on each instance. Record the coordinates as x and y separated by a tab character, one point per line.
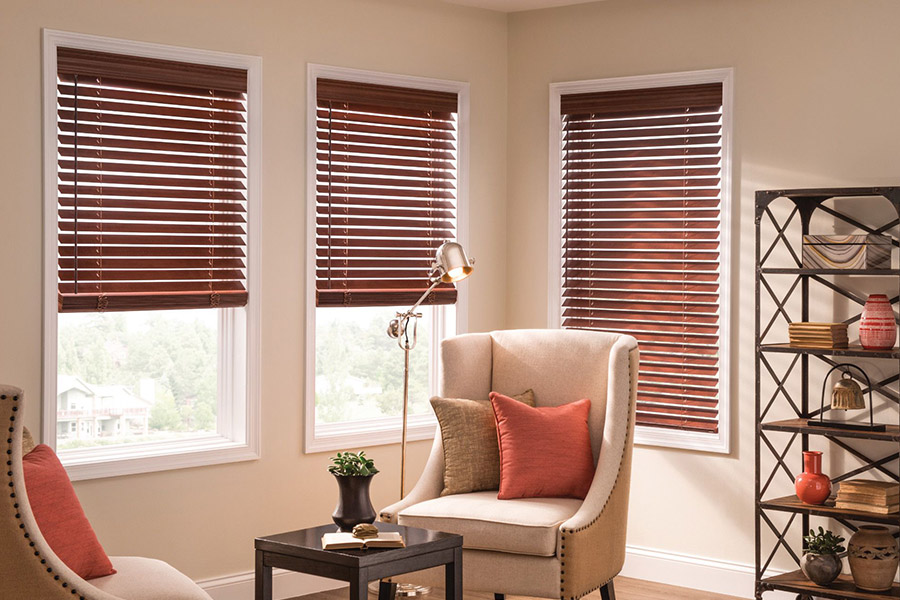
60	517
469	438
523	526
545	452
148	579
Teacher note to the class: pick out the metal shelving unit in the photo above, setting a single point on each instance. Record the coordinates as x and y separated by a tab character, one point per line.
776	438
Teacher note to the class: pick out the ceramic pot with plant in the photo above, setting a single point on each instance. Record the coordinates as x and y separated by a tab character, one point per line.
821	563
873	558
812	486
353	472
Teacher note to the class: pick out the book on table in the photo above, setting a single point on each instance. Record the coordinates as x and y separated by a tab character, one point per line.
345	540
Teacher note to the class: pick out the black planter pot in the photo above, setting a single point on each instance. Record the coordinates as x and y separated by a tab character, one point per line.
821	569
354	505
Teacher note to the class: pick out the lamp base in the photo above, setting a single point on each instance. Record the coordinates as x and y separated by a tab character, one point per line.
849	425
404	590
410	590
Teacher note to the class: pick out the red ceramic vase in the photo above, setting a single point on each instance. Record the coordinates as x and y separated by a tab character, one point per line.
877	328
811	485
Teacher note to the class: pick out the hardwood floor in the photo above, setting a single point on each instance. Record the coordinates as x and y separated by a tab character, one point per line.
626	589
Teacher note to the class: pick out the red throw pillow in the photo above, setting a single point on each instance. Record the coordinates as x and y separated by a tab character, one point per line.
545	452
60	517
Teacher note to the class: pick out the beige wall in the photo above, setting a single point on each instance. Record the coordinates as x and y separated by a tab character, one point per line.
816	103
204	520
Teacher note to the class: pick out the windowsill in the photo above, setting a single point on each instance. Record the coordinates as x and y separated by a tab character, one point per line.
374	432
116	461
684	440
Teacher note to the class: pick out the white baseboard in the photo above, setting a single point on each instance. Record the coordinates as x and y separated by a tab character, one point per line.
698	573
671	568
285	584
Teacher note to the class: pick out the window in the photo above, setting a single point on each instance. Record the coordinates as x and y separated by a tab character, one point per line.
384	194
641	213
151	306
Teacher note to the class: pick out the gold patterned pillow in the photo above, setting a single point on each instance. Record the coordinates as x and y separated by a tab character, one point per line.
27	441
469	436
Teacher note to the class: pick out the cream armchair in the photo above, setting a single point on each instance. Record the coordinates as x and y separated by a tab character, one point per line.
545	547
28	567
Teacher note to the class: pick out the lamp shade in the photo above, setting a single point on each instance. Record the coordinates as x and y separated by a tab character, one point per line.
452	262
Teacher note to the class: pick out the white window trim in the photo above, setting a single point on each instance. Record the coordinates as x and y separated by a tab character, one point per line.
375	432
652	436
242	442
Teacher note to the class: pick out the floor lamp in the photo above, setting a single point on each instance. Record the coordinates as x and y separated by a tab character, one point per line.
450	265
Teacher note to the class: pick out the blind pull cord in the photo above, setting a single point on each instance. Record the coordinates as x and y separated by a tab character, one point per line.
75	193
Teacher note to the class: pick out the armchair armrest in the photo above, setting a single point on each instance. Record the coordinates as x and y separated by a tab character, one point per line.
429	486
591	545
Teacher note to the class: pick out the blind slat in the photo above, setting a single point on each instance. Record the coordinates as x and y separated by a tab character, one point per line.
91	89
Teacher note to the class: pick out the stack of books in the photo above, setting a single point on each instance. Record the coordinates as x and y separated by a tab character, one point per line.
818	335
878	497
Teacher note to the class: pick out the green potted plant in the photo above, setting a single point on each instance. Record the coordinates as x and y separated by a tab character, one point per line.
353	472
821	563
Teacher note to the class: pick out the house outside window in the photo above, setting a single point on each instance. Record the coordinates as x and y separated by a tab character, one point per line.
151	307
387	187
640	214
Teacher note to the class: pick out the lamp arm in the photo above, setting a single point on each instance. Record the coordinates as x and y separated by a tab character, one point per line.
421	299
397	328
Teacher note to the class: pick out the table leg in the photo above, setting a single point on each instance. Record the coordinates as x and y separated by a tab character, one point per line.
359	586
263	578
386	590
453	576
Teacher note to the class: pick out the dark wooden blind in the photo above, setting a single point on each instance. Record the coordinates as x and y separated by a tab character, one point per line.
152	183
641	232
385	192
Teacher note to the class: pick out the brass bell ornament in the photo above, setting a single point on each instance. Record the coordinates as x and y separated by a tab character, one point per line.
847	395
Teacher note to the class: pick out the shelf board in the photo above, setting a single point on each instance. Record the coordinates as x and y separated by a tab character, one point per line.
799	271
842	588
851	350
831	192
794	505
892	434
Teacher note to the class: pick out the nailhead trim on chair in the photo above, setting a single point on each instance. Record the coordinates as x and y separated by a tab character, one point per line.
12	495
562	562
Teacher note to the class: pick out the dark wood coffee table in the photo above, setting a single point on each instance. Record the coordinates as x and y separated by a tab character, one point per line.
302	551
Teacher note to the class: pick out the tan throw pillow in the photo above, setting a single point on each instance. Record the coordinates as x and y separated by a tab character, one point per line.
27	441
469	436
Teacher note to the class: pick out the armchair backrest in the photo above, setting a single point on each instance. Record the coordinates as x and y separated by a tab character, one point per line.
28	567
560	365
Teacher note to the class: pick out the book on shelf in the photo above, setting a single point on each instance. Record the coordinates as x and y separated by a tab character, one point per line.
818	345
871	508
345	540
818	326
818	335
883	490
868	500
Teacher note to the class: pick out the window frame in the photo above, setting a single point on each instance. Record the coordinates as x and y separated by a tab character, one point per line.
388	430
655	436
238	438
